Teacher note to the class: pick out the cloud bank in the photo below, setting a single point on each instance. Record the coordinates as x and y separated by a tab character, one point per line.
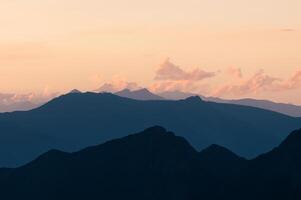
171	77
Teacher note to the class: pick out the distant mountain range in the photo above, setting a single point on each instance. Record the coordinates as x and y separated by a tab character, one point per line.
145	94
156	164
142	94
77	120
287	109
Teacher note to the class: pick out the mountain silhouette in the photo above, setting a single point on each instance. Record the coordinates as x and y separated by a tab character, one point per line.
157	164
77	120
142	94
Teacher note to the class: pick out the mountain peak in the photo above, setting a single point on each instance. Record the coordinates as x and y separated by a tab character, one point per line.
143	90
153	145
75	91
215	147
155	132
156	129
194	99
215	151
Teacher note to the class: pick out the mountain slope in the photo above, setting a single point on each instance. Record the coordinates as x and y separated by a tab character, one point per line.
156	164
77	120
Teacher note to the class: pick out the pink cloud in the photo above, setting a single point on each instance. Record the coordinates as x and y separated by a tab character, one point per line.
118	84
259	82
173	86
171	72
235	72
293	82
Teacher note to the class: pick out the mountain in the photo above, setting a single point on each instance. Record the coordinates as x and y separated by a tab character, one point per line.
157	164
287	109
142	94
77	120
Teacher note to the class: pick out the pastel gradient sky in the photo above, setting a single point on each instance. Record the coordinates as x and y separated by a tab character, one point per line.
226	48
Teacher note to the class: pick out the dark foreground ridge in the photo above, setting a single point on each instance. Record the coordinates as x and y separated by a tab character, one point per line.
156	164
77	120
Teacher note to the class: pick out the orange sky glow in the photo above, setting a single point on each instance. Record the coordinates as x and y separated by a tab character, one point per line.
225	48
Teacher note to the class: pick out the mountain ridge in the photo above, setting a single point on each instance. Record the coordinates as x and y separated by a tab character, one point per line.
154	164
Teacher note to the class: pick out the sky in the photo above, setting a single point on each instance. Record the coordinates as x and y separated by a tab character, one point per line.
225	48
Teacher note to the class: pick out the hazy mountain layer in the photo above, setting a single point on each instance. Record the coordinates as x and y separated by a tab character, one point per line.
77	120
